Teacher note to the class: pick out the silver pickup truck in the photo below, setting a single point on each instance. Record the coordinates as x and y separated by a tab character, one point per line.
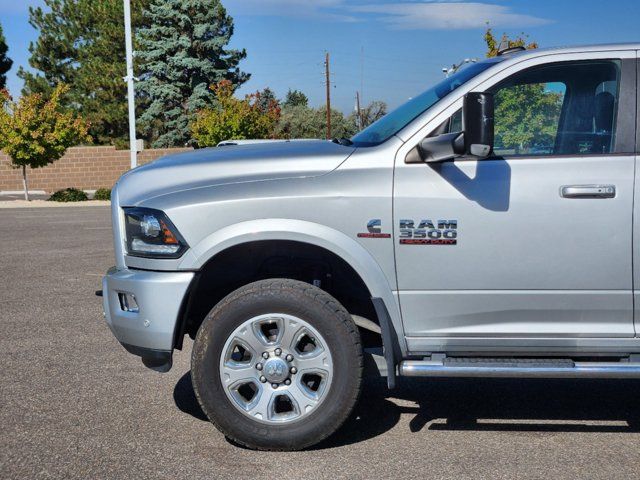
484	228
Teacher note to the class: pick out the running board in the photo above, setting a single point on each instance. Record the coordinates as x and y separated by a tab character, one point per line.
517	368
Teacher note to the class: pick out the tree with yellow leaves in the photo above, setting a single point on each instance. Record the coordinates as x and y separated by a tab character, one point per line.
235	119
35	131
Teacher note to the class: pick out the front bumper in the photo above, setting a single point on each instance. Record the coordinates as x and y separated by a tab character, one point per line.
150	331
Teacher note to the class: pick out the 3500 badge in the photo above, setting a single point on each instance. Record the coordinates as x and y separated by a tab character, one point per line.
426	232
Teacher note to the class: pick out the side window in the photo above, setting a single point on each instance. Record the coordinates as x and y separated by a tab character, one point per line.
527	118
450	125
606	98
455	125
562	109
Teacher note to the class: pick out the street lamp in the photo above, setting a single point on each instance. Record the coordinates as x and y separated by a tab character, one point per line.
455	67
130	86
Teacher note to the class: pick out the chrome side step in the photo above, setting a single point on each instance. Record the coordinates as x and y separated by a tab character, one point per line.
517	368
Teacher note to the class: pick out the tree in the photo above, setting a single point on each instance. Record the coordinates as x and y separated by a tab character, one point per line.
183	51
494	46
295	98
5	62
235	119
267	99
300	121
81	44
372	113
525	115
36	131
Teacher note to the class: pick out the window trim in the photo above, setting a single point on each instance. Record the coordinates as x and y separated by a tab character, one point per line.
626	115
637	103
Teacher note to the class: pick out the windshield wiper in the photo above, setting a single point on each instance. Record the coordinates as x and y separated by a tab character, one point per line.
343	141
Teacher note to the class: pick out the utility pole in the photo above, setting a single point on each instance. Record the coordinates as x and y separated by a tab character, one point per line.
130	87
328	80
359	112
362	71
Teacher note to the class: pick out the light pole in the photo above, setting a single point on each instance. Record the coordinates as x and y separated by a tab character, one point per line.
455	67
130	86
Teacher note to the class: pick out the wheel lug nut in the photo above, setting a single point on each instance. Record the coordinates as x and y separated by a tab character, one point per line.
265	355
289	358
278	351
263	379
293	370
258	366
287	382
274	385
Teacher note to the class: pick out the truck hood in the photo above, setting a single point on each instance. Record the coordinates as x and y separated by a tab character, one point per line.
233	164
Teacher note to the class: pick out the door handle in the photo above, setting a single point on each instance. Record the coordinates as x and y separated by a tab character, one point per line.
588	191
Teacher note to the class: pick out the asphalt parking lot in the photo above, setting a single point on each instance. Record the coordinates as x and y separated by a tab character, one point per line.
76	405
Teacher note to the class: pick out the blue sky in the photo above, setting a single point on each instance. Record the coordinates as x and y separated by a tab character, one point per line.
389	49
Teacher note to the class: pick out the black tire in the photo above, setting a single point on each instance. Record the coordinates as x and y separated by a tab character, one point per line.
322	312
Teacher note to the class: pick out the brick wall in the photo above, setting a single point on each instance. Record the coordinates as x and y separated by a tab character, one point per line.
87	168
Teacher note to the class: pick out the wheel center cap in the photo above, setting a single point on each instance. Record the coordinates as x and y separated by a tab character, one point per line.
276	370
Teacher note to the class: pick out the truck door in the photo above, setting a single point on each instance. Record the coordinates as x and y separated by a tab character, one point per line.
534	242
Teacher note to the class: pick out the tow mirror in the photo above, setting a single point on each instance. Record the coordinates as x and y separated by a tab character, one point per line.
476	139
442	147
477	115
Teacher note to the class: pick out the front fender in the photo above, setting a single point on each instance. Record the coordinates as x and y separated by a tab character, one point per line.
305	232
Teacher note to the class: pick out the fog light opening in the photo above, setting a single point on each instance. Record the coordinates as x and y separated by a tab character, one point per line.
128	302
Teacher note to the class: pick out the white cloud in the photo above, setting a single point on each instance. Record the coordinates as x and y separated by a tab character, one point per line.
417	15
333	10
427	15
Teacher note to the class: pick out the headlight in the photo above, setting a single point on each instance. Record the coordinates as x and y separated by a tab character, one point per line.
151	234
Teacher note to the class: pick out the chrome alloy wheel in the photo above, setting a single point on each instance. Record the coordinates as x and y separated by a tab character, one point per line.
276	368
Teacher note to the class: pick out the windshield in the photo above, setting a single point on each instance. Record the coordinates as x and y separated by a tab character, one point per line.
393	122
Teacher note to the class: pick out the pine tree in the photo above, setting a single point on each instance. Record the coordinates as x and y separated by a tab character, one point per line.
81	44
5	62
295	98
183	52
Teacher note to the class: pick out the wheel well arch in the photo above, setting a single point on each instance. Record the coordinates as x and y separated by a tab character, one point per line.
250	261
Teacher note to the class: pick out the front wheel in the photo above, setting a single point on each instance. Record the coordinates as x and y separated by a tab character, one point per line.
277	365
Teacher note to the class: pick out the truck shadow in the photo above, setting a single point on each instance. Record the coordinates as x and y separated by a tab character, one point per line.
490	187
500	405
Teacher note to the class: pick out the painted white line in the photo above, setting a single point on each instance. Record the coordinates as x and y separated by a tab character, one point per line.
21	192
46	204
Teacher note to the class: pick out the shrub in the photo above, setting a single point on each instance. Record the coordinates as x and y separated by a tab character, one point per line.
235	119
69	195
102	194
